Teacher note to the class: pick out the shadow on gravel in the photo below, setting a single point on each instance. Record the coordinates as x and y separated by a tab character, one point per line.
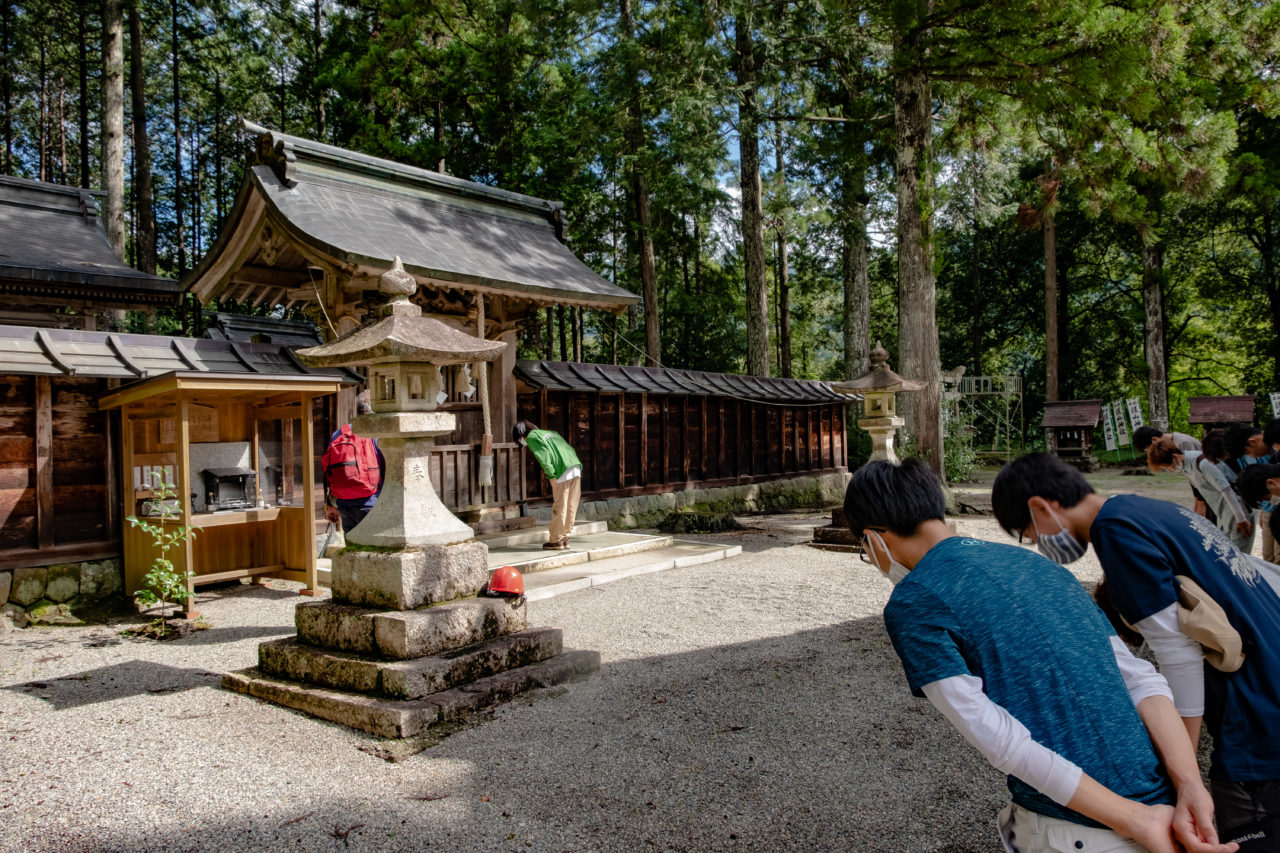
106	684
807	741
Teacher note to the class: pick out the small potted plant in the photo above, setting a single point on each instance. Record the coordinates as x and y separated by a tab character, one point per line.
163	585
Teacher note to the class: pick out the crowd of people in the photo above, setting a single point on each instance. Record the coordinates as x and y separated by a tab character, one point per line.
1100	747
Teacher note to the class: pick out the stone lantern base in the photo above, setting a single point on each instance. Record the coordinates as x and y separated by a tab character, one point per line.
882	432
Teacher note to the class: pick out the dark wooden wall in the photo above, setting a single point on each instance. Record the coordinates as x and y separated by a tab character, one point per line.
58	488
641	444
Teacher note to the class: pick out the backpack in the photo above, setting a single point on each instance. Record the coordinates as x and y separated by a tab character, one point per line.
351	466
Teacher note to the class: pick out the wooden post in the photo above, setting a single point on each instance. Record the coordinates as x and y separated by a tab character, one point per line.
622	440
666	434
595	441
643	477
44	462
721	443
308	498
286	459
183	485
684	437
704	465
113	480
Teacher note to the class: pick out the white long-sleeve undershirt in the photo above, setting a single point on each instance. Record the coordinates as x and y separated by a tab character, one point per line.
1180	658
1007	744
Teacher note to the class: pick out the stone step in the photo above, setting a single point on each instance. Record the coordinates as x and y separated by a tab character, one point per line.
404	634
503	525
677	554
406	679
591	546
402	718
537	535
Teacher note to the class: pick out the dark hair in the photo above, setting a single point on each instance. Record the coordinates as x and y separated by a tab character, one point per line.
894	497
1214	447
1238	436
1252	483
1143	436
1036	475
1271	435
521	429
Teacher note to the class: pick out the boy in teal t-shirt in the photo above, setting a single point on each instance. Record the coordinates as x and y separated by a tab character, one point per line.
563	468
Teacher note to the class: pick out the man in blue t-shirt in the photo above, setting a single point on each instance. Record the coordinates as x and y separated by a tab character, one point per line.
1144	545
1009	647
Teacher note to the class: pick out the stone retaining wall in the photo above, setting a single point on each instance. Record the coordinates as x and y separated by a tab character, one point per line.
647	510
50	595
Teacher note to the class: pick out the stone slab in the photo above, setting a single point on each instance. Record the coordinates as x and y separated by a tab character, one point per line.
422	677
400	718
403	580
28	585
344	627
445	627
100	579
63	582
288	658
6	582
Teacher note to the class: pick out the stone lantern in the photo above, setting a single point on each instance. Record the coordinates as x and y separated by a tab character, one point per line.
879	388
407	642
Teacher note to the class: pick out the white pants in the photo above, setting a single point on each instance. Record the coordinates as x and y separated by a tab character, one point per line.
1025	831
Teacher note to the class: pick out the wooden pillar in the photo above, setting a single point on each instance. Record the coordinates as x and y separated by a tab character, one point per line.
595	441
704	465
183	482
622	440
44	462
721	443
684	437
643	478
286	459
308	498
113	477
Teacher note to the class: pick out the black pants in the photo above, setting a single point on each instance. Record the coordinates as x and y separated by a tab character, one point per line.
1239	804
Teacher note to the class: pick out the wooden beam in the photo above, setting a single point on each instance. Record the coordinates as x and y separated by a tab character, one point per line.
111	464
666	433
622	440
272	277
684	437
44	462
184	502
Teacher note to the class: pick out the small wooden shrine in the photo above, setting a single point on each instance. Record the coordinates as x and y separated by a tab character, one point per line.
1069	426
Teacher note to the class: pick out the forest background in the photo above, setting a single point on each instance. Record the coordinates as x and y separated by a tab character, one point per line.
1080	194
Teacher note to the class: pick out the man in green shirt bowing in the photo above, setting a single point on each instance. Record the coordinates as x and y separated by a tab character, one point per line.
563	468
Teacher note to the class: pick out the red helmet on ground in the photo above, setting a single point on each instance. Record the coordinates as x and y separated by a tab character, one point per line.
505	581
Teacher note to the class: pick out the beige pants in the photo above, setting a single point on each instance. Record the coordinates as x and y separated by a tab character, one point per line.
564	507
1025	831
1268	541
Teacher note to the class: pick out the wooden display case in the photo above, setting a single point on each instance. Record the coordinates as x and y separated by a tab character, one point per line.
161	418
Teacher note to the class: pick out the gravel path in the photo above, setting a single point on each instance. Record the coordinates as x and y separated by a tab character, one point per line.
747	705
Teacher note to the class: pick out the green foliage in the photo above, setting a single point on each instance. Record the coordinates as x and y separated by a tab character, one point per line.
163	583
959	457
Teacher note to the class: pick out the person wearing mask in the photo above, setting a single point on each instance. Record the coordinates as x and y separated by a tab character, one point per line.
563	468
1212	480
1012	651
1149	550
1143	437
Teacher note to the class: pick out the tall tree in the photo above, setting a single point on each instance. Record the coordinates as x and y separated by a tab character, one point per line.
113	120
144	217
753	253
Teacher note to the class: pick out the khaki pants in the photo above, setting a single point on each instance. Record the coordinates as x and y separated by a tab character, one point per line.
564	507
1025	831
1268	541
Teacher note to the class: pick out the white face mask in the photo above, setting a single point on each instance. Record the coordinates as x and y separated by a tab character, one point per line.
896	571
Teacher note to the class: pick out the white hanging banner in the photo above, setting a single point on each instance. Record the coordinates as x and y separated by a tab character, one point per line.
1122	434
1135	412
1275	404
1107	431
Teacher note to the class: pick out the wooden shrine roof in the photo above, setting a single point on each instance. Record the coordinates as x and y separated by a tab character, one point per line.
357	213
1072	413
241	328
1221	410
54	251
65	352
614	378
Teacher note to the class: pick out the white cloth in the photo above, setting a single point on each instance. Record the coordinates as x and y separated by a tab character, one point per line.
573	472
1181	659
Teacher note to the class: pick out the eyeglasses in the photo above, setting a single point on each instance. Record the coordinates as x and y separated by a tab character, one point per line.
865	554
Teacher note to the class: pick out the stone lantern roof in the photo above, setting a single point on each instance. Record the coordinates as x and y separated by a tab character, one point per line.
879	377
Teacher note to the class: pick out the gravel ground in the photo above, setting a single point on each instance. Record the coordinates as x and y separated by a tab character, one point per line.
748	705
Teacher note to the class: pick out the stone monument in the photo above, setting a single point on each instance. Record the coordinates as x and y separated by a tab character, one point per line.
407	642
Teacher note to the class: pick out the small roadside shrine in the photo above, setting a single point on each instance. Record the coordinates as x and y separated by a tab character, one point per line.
1069	426
407	641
